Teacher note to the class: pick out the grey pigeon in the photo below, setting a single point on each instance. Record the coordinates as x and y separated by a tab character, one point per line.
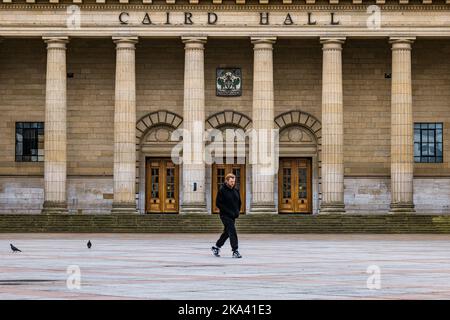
89	244
14	249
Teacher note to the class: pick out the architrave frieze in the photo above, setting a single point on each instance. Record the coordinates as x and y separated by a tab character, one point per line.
228	7
104	20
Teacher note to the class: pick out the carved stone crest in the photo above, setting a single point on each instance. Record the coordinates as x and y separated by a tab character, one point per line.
228	82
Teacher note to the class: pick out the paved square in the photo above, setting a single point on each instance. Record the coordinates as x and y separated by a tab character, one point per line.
180	266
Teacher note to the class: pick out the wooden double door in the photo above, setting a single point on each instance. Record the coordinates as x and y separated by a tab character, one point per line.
219	172
295	185
162	181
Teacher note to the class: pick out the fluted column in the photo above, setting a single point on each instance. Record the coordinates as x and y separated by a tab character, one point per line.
194	196
55	132
125	127
332	127
402	127
263	198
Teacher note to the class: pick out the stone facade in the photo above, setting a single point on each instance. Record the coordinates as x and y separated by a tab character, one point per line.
336	76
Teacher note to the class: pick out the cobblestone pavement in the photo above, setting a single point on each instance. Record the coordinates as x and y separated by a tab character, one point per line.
180	266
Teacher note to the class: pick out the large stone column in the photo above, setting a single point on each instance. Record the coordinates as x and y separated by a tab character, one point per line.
332	127
55	132
125	127
194	196
263	198
402	127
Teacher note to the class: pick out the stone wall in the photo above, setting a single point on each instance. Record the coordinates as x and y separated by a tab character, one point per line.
367	117
373	195
94	195
21	194
225	54
84	194
22	98
298	76
159	76
159	69
431	95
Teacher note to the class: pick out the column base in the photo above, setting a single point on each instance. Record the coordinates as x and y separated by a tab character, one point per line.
124	208
193	208
54	207
402	207
263	208
332	207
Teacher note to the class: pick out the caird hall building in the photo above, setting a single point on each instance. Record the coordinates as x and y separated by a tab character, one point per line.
91	92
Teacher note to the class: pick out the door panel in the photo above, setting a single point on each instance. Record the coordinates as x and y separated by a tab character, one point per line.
295	185
285	202
171	179
219	172
161	186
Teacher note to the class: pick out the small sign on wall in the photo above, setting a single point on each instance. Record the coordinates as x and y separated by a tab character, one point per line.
228	82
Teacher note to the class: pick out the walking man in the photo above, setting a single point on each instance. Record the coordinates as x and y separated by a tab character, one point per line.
228	201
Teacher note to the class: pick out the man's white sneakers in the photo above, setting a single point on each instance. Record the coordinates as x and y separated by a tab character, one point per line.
236	254
215	251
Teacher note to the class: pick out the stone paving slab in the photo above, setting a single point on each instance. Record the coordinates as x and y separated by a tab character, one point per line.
180	266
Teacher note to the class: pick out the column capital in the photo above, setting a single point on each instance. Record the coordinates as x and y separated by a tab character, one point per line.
125	42
56	42
332	42
263	42
194	42
401	43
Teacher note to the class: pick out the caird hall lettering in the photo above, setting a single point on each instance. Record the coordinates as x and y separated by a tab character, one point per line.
212	18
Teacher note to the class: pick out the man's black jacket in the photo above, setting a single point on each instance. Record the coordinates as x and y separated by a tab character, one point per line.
228	201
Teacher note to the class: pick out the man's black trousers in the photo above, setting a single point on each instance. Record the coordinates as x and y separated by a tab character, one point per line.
229	231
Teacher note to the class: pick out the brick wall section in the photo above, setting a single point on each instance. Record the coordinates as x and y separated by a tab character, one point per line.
367	107
22	97
160	67
431	95
159	76
90	107
298	76
21	194
225	54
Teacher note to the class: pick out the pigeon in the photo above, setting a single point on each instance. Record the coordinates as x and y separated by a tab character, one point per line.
89	244
14	249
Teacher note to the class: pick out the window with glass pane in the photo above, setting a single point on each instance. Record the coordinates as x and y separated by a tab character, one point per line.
428	142
170	172
29	141
286	183
237	173
155	183
220	177
302	183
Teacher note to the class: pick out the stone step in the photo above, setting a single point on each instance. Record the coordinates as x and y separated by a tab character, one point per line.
196	223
